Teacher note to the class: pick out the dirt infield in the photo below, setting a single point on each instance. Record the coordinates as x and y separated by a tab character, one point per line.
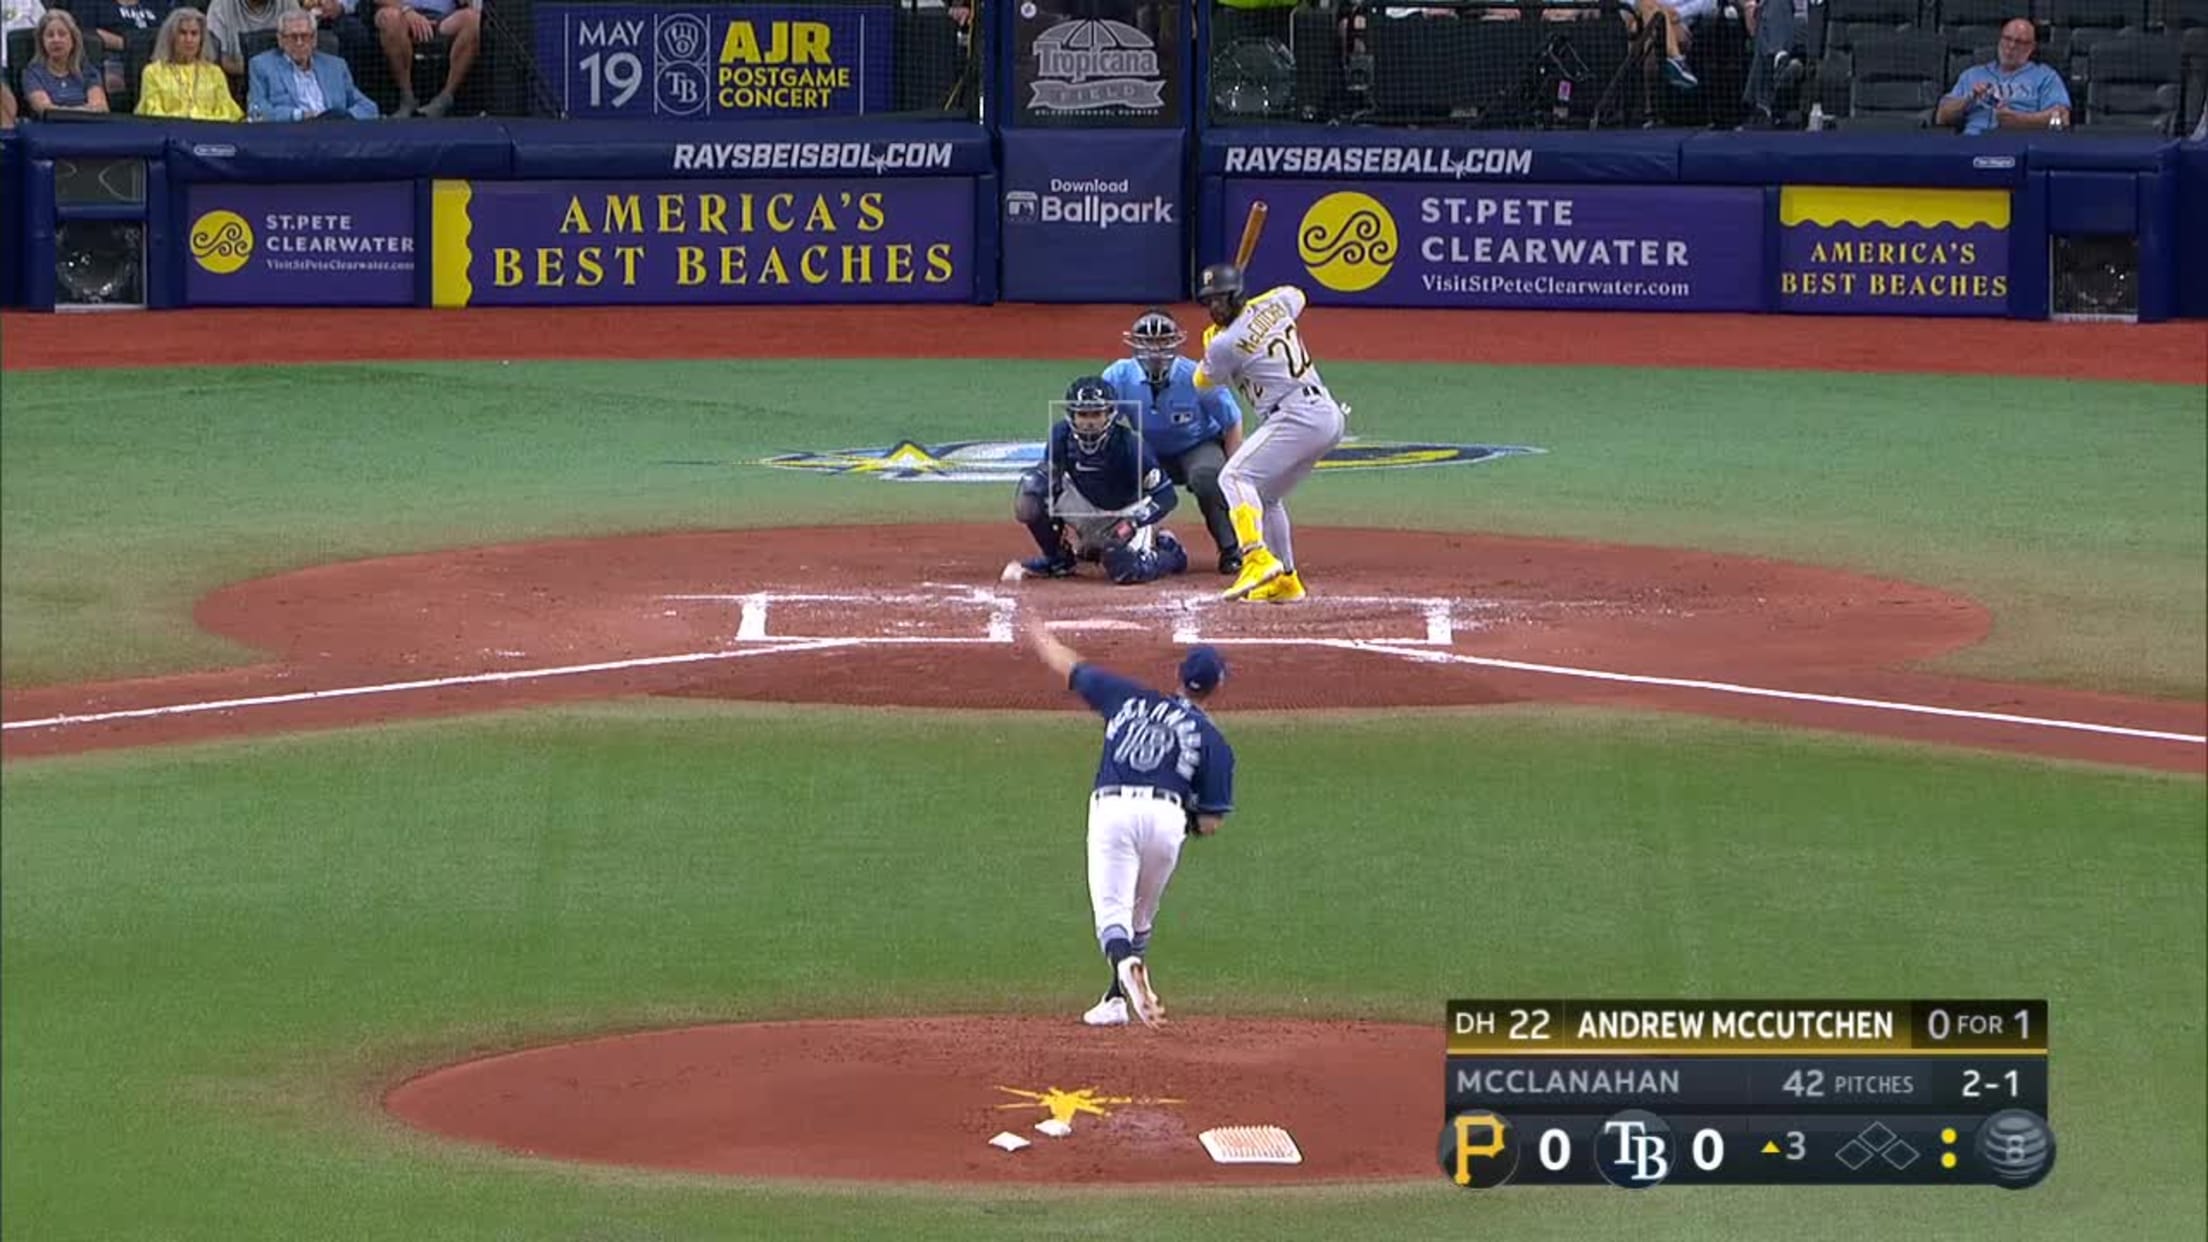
842	615
919	1099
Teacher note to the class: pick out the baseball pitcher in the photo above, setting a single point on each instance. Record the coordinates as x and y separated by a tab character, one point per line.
1098	496
1193	432
1166	774
1253	345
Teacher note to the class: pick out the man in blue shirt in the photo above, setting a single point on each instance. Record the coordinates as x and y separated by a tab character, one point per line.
1192	431
1166	774
1098	496
2012	91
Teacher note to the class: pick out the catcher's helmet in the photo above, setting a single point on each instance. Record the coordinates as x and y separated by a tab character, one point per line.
1222	290
1156	341
1090	407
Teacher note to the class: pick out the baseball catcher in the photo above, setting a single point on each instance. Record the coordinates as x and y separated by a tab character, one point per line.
1098	496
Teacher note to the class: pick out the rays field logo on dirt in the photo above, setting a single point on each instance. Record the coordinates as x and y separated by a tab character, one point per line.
1002	461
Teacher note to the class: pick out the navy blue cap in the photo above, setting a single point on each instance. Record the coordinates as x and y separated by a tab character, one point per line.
1203	670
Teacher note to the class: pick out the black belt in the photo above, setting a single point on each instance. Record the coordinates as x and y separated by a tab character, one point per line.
1139	791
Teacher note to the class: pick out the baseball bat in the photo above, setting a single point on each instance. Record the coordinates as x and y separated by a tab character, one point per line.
1251	227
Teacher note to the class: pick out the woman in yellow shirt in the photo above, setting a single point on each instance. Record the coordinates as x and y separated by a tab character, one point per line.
181	79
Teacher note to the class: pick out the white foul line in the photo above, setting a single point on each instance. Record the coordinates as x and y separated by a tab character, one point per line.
1410	651
432	683
1799	696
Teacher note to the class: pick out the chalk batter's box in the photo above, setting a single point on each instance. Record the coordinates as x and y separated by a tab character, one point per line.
1636	1094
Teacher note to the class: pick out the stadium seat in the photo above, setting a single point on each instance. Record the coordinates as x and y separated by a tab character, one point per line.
2134	85
2082	14
1973	24
1897	79
1835	70
1848	20
1959	60
22	48
1422	67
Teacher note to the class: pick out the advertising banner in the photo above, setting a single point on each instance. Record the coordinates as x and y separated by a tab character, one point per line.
1093	216
1885	251
335	244
719	62
1571	247
1113	63
589	243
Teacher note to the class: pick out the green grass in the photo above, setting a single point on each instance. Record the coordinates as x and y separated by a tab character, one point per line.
2074	510
211	951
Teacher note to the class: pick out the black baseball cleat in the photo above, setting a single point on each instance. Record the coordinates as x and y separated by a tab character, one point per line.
1230	562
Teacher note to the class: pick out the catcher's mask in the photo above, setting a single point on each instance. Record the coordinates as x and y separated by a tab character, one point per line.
1090	405
1222	290
1156	341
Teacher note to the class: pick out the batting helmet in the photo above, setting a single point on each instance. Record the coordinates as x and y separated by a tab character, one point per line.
1090	406
1221	288
1156	341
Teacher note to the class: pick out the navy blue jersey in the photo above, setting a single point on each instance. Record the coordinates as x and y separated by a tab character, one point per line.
1116	477
1157	739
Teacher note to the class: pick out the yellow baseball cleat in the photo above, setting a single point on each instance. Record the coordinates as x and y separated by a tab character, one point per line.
1286	589
1259	566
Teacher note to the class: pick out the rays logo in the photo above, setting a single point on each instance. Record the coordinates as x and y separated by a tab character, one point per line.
1093	65
1003	461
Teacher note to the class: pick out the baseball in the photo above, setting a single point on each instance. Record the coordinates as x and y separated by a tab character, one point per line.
1012	572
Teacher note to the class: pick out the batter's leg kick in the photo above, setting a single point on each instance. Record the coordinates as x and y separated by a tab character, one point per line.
1134	845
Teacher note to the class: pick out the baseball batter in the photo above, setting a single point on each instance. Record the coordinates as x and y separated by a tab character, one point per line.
1193	432
1098	496
1166	774
1254	346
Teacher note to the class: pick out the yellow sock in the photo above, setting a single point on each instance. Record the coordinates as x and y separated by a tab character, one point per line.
1246	526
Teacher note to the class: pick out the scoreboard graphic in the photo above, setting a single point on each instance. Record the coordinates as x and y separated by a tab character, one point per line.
706	62
1640	1094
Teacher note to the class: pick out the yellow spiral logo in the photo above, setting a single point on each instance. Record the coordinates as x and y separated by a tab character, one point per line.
221	242
1347	242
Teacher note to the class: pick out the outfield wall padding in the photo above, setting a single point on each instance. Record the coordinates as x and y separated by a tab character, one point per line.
531	211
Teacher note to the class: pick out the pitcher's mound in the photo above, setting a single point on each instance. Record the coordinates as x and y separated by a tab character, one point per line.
919	1099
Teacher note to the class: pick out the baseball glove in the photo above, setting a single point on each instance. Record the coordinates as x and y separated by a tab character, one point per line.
1095	538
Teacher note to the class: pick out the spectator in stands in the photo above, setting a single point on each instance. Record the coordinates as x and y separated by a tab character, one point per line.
401	24
182	78
60	80
1775	63
1677	16
229	21
294	82
7	104
2012	91
115	25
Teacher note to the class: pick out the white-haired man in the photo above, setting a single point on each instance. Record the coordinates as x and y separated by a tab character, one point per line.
295	82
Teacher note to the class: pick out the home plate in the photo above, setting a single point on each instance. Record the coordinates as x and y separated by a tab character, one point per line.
1094	623
1251	1145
